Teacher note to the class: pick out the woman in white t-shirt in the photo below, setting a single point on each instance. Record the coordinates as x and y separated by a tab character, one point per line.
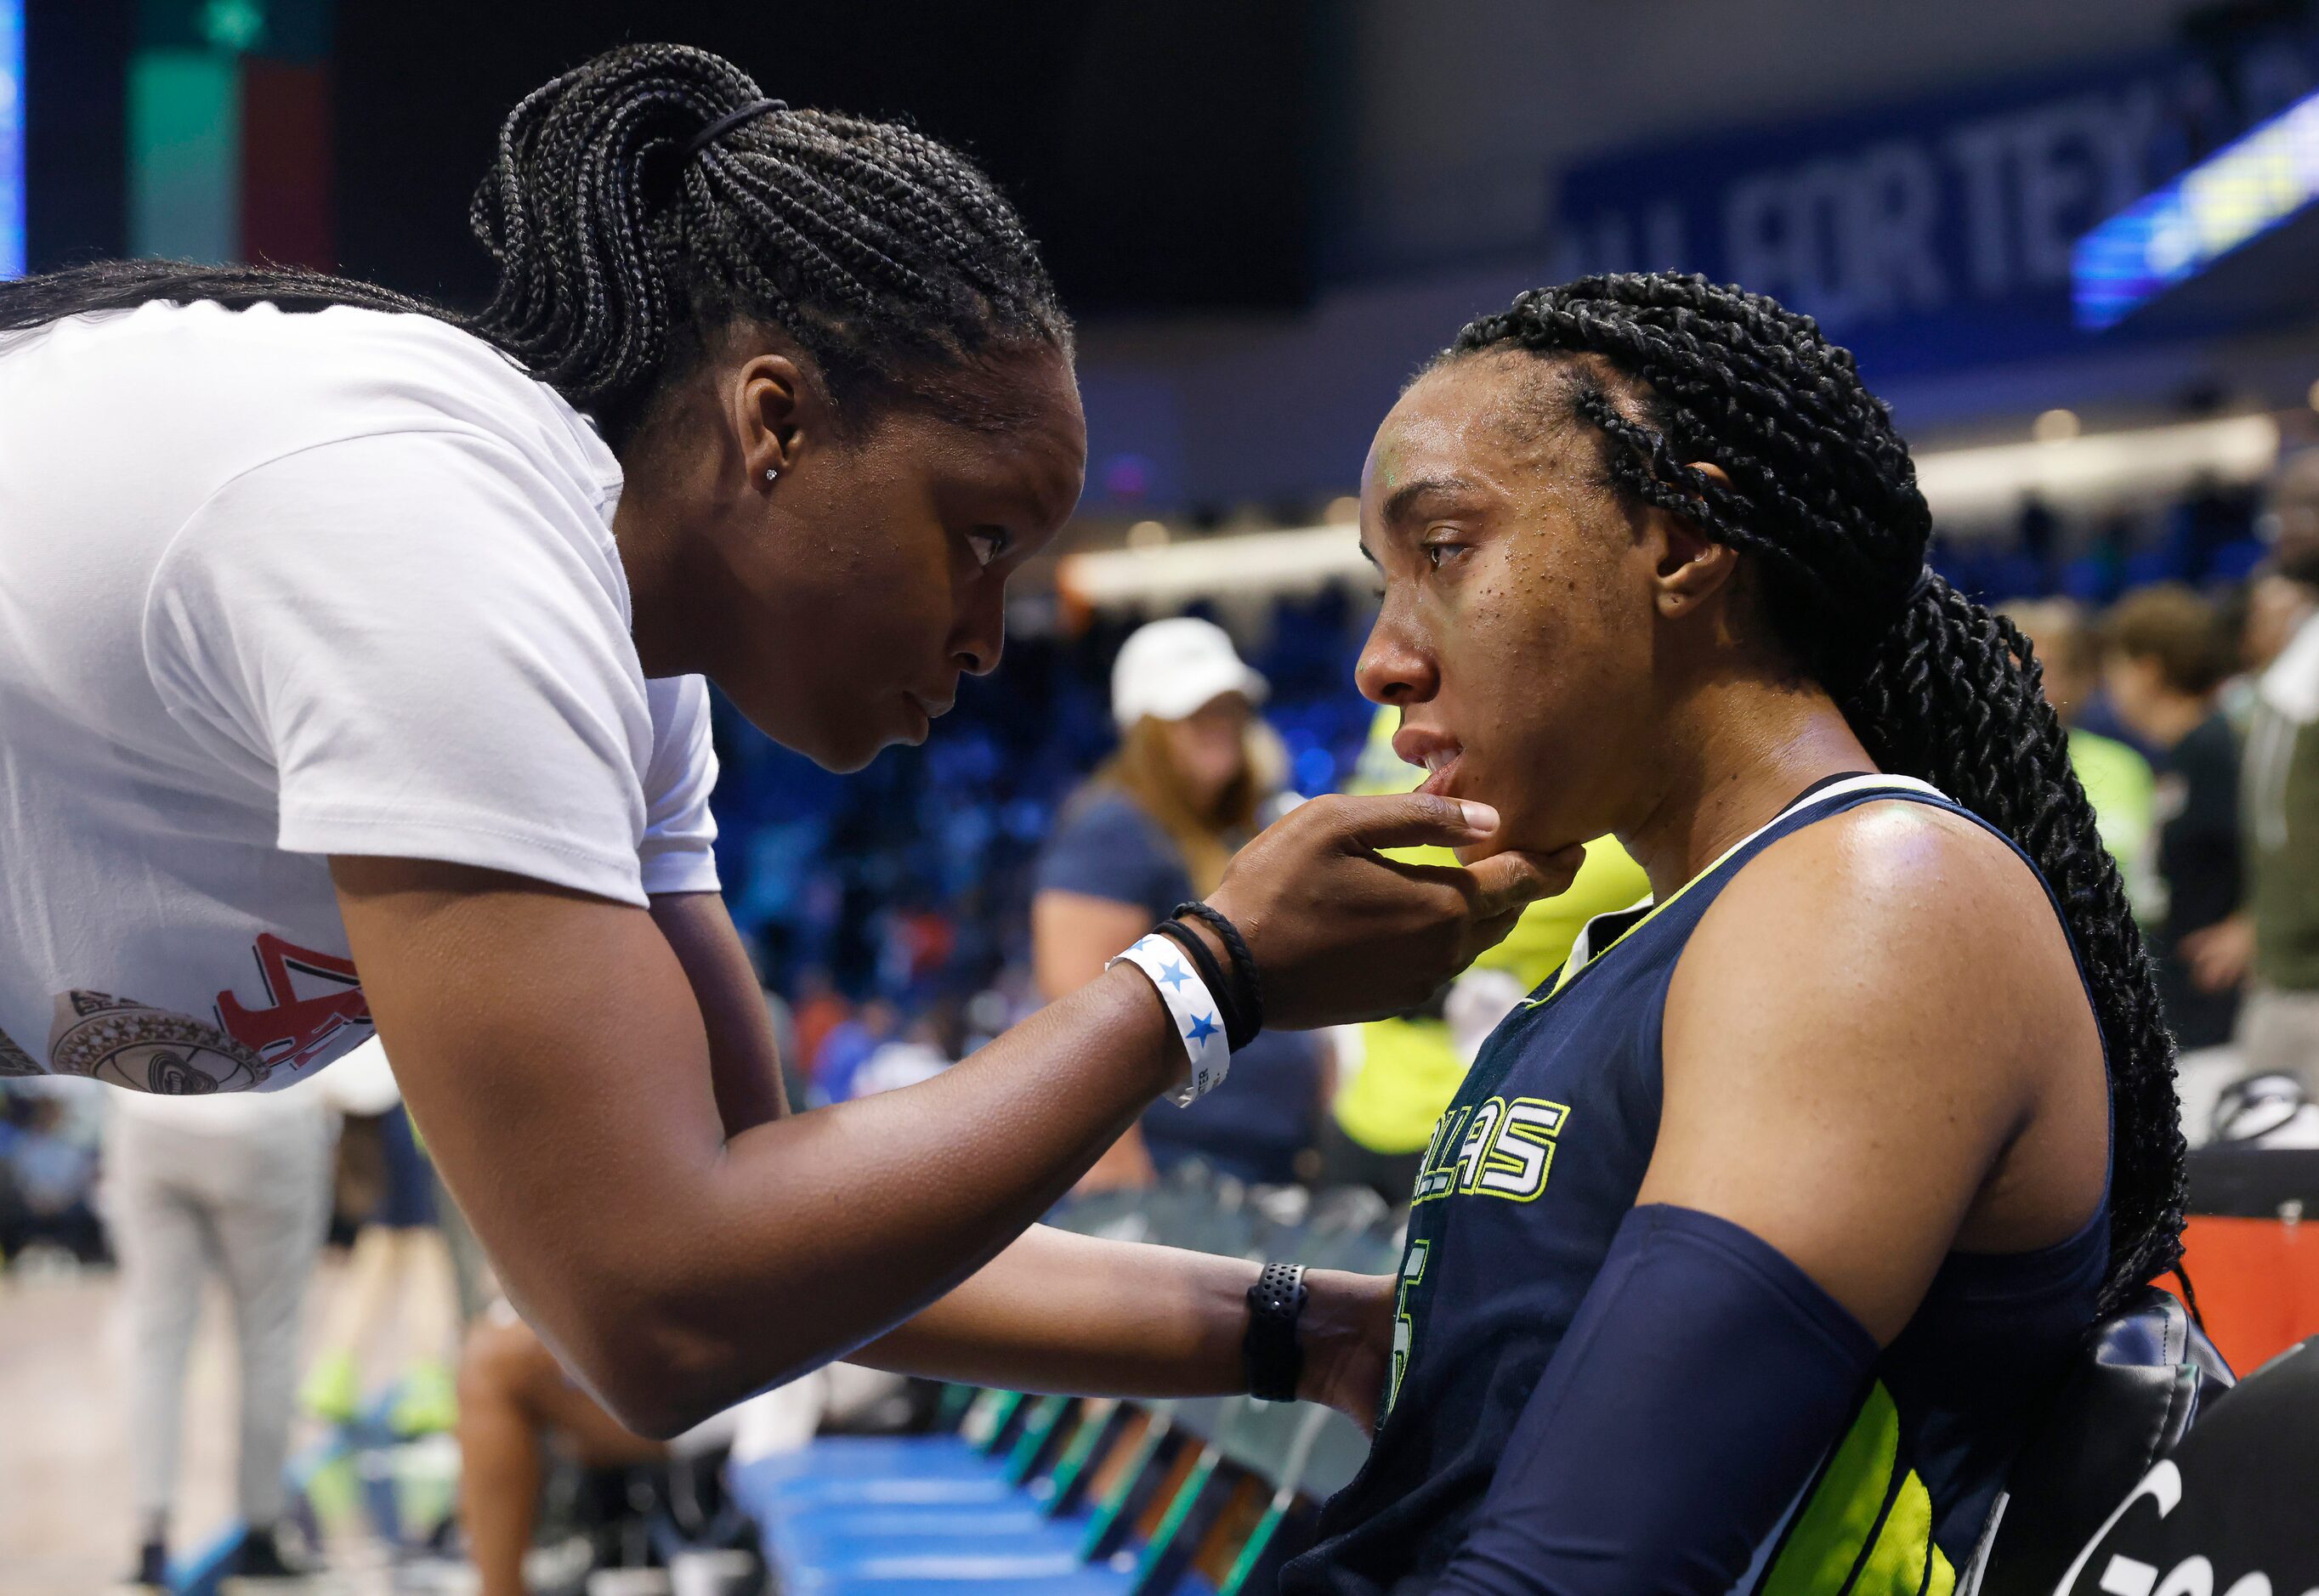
334	639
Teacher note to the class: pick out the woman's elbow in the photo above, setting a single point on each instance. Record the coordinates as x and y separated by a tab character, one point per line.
654	1415
656	1387
660	1373
660	1328
506	1361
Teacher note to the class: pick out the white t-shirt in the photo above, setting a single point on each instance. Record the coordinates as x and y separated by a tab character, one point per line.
274	586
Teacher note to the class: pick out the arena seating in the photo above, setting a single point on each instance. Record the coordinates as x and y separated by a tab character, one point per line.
1066	1496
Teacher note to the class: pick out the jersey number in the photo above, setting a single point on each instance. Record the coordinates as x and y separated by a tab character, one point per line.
1404	1332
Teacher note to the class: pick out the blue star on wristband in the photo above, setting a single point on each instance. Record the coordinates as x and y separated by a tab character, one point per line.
1205	1038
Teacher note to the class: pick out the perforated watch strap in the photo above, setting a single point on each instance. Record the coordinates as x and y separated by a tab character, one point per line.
1269	1354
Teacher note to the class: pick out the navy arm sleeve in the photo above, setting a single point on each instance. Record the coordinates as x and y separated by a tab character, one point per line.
1702	1380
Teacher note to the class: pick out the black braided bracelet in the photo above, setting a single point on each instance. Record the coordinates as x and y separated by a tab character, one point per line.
1212	975
1248	992
1231	1000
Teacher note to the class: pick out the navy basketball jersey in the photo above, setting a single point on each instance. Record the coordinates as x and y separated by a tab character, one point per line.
1530	1172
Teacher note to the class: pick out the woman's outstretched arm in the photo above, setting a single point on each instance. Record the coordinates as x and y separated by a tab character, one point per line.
1054	1312
552	1049
1080	1315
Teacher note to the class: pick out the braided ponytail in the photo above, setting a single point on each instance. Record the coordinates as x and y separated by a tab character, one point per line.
1953	695
1822	496
624	250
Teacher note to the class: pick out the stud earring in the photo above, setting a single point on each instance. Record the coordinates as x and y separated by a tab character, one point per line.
772	471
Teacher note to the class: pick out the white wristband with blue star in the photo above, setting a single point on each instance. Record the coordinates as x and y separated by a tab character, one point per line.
1199	1023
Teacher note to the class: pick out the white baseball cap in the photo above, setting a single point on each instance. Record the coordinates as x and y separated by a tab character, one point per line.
1170	669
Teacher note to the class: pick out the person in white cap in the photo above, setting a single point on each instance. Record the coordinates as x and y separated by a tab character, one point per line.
1154	827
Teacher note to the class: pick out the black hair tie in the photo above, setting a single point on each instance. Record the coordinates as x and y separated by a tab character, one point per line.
725	124
1248	990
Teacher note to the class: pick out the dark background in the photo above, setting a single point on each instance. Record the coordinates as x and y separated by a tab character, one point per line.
75	142
1163	153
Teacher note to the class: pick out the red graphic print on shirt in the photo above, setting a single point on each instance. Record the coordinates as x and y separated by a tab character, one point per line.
295	1030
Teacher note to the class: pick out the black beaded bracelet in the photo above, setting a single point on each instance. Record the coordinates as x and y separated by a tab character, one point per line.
1212	976
1248	988
1269	1354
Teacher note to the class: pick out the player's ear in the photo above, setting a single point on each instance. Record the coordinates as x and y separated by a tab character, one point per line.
1691	567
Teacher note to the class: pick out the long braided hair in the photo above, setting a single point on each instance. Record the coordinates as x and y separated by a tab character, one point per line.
1822	498
623	252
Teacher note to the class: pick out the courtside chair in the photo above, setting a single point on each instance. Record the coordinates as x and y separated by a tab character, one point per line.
1060	1496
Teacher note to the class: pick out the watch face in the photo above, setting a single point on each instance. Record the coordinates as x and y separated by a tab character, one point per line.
2229	1513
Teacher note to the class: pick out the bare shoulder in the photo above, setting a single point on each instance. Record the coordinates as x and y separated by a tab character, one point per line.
1912	908
1930	866
1869	1016
1898	942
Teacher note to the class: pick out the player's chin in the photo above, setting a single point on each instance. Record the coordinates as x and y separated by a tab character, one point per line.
1519	830
1474	853
1473	782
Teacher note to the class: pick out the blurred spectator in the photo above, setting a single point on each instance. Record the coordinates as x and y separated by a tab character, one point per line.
397	1285
2268	609
2276	939
916	942
2277	606
2166	658
928	1048
2118	780
238	1185
47	1170
1157	826
2203	528
2039	531
816	1009
847	1046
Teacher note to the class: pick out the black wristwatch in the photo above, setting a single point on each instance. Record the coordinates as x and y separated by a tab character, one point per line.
1268	1353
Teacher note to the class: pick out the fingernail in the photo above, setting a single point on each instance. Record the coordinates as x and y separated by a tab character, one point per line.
1480	818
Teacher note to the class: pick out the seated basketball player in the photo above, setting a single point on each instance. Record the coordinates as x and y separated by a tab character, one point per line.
1742	1255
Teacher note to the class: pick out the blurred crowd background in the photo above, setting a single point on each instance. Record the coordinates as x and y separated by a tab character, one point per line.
2072	242
891	911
